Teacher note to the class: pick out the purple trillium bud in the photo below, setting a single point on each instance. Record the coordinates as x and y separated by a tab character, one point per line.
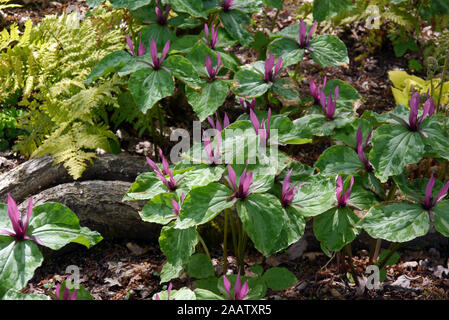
240	292
343	198
162	17
210	70
212	41
217	125
429	201
269	75
262	129
66	294
413	121
19	222
361	146
304	37
247	105
226	5
171	184
157	62
289	190
329	106
315	90
245	182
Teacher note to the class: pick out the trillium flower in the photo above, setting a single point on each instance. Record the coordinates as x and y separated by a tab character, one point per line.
162	17
328	104
213	155
343	198
176	205
262	129
66	294
140	51
226	5
217	125
212	73
304	37
171	184
19	222
315	90
170	286
248	105
245	182
429	201
157	62
212	41
413	121
269	75
289	190
240	292
361	147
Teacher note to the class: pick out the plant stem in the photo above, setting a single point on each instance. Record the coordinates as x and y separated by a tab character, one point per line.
204	246
348	249
393	248
392	191
377	249
233	230
274	20
161	124
225	245
298	65
153	130
240	247
443	171
372	249
443	75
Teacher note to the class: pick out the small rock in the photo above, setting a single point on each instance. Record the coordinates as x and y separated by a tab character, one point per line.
434	252
112	282
440	272
297	249
402	282
312	255
335	293
302	285
410	264
135	249
272	261
363	253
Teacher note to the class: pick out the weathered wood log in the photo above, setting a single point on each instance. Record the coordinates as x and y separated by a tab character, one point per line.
99	206
38	174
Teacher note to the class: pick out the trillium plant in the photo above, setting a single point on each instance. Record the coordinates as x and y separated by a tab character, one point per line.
241	179
50	225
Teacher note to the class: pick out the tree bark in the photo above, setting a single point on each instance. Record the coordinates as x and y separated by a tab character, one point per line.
99	206
39	174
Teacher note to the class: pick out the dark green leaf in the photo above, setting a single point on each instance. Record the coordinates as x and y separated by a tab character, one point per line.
279	278
336	227
328	50
396	221
209	99
203	204
112	62
339	160
200	266
394	147
148	87
235	22
263	219
325	9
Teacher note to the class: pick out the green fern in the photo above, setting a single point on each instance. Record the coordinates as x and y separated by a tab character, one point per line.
48	64
4	4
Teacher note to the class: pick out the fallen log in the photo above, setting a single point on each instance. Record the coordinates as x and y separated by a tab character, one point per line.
99	206
39	174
